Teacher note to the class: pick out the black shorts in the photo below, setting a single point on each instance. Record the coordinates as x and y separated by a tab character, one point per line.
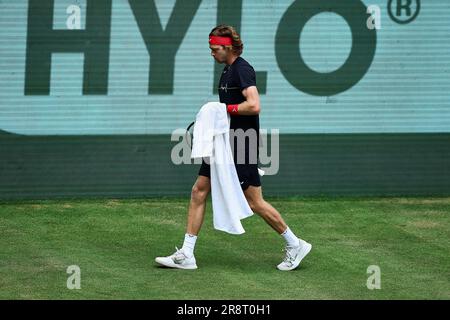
247	173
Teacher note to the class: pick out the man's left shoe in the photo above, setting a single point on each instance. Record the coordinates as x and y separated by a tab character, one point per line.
294	255
178	260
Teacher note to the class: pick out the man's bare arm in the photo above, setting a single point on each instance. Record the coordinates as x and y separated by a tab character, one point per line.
251	105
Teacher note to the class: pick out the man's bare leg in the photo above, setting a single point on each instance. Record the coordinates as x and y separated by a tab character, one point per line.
197	205
184	258
264	209
196	213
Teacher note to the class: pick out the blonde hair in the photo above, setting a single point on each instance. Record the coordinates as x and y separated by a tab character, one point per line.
228	31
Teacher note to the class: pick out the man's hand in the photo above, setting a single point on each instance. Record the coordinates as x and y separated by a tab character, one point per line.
251	105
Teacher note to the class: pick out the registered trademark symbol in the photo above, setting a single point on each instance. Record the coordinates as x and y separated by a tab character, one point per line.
403	11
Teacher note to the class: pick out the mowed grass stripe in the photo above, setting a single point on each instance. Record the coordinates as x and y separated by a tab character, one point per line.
114	241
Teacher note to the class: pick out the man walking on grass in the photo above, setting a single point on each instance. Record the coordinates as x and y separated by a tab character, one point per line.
237	89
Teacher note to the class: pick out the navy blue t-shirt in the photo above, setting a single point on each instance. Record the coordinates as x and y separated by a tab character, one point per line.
235	78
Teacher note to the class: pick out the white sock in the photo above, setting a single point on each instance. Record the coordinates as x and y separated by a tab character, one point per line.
291	238
189	244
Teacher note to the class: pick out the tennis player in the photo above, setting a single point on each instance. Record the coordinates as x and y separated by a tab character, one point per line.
237	89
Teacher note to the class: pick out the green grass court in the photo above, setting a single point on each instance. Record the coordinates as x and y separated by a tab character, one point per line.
114	243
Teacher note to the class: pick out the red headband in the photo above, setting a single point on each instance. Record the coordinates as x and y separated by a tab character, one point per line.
225	41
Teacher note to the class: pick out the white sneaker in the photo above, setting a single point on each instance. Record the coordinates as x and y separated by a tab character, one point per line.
294	255
177	260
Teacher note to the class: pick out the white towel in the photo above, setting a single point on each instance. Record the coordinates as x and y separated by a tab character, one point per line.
212	139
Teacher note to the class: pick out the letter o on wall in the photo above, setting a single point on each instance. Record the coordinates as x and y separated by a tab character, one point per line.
291	63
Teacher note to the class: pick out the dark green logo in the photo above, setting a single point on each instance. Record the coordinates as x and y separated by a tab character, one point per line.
294	67
94	42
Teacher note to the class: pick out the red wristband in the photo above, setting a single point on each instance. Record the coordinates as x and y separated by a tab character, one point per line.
232	108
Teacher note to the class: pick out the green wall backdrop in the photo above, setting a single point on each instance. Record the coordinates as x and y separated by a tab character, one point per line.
91	91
